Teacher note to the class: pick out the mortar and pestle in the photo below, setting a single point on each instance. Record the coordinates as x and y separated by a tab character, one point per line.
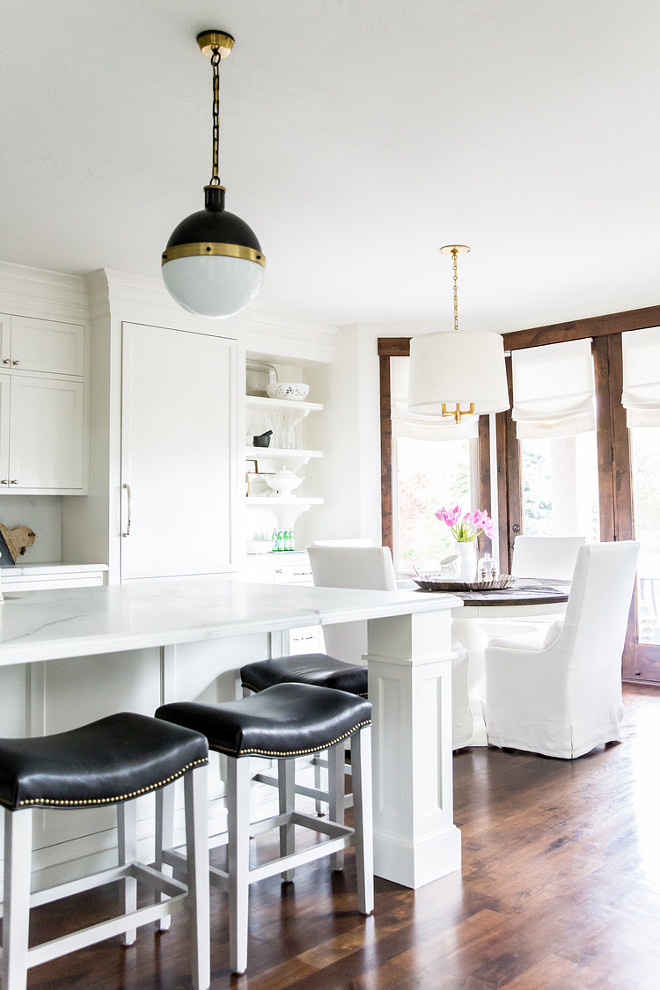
263	440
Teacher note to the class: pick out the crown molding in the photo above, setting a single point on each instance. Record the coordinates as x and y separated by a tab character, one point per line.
137	298
35	292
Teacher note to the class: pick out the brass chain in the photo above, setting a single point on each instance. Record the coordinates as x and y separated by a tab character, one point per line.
454	255
215	62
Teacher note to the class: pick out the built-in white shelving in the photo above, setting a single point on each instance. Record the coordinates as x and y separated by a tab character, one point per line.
282	416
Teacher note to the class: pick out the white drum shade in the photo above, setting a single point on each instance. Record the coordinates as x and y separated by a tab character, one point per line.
215	286
457	367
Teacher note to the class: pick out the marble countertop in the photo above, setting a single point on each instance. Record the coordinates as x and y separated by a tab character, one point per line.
49	625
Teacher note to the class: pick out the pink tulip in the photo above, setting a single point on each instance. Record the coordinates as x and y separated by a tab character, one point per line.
467	528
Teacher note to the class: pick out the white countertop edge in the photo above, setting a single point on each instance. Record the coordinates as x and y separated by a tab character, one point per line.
49	625
35	570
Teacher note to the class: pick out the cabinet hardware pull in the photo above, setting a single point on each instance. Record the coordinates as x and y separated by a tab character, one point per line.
14	481
16	362
5	481
6	361
128	507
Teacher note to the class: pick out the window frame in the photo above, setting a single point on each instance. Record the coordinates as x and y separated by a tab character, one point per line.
389	347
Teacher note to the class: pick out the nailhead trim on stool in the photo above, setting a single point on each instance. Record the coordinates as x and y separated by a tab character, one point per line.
285	721
111	761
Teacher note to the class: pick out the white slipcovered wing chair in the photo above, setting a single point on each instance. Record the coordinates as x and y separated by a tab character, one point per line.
564	698
371	568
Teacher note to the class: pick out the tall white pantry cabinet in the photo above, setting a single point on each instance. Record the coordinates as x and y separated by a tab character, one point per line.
177	467
163	439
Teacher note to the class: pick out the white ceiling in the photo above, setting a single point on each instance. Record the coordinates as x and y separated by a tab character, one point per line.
357	137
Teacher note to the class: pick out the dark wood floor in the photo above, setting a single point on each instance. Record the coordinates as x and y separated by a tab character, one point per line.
560	888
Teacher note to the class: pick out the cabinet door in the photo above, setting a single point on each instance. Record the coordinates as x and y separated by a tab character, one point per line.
46	345
46	434
5	385
178	452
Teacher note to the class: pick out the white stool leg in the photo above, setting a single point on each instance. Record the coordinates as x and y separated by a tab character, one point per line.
363	818
318	804
16	921
336	782
197	852
127	853
164	839
238	857
286	783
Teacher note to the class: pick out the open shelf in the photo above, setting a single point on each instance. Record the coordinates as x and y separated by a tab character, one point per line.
280	454
282	500
259	402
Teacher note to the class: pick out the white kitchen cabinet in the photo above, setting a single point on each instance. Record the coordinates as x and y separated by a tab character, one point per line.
42	441
28	344
178	452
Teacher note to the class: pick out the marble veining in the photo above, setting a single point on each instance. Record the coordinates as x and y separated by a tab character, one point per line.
48	625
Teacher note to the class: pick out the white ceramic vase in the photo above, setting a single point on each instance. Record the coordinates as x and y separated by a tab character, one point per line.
467	560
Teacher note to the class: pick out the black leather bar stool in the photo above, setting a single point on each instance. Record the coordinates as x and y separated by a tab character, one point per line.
309	668
306	668
112	761
284	722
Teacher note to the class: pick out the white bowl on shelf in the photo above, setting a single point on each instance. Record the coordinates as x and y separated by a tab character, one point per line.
259	546
283	482
287	390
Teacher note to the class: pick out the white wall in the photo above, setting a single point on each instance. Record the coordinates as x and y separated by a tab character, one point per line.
351	431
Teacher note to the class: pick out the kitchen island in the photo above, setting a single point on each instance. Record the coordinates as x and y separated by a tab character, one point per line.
135	646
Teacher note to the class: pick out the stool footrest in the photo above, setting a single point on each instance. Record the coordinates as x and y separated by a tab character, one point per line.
177	892
311	792
138	871
341	840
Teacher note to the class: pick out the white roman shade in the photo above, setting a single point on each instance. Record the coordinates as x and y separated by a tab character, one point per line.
641	376
553	390
409	424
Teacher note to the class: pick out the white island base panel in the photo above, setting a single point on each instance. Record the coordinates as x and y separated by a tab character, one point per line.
409	659
68	657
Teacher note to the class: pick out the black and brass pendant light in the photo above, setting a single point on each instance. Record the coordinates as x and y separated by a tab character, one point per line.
213	264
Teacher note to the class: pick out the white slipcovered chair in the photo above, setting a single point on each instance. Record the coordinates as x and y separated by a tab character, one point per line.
545	556
371	568
549	557
564	698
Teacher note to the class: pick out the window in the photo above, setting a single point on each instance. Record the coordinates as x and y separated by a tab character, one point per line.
560	486
430	474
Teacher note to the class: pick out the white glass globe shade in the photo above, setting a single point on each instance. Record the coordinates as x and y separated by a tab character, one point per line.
214	286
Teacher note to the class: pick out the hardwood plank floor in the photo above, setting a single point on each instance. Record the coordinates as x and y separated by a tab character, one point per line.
560	888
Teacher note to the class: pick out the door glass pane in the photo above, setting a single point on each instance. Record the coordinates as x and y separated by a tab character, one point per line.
560	486
429	474
645	453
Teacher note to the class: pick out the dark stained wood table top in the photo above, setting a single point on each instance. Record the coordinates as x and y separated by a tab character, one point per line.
524	591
